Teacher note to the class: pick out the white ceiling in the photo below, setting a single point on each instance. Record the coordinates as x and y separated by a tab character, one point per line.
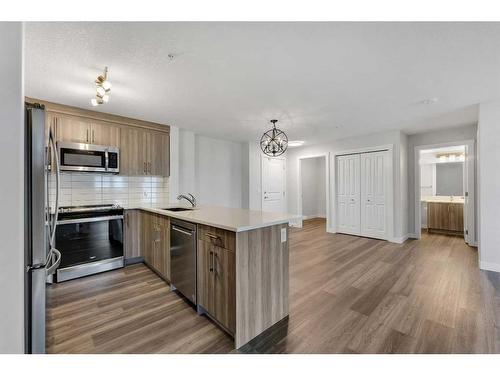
323	81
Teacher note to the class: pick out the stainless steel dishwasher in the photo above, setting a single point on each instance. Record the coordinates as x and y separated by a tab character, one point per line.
183	258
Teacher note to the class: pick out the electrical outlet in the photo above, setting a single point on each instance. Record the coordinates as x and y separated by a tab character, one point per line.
283	235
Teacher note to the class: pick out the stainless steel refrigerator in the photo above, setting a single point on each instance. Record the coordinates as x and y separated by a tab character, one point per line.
41	258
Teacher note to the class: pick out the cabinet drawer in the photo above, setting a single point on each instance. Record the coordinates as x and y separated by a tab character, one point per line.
218	237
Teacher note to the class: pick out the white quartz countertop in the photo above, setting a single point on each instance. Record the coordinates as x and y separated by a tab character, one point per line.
233	219
443	199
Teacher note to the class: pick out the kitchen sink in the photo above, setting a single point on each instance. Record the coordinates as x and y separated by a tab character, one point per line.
177	209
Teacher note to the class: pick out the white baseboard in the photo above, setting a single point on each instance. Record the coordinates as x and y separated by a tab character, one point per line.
487	266
297	223
306	217
399	239
413	235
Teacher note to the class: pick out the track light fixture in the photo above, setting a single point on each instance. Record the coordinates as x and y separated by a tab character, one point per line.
103	88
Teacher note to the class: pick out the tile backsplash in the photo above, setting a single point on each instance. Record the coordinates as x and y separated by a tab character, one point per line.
92	188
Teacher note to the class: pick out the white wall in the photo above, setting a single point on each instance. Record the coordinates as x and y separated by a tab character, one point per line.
461	133
187	164
214	170
395	138
11	188
174	165
313	187
254	176
489	185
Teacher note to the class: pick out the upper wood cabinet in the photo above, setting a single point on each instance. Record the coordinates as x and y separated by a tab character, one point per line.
159	155
73	129
144	146
105	133
132	152
83	130
144	152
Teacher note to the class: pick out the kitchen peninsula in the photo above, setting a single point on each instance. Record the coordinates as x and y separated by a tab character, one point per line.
242	261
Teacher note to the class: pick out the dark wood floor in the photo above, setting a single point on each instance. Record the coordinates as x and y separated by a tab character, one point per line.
347	295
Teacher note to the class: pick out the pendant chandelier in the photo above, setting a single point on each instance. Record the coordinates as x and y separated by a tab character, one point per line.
274	142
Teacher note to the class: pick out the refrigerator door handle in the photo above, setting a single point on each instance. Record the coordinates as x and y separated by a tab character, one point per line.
54	262
54	256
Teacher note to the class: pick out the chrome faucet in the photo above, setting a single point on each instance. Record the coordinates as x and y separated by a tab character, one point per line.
191	199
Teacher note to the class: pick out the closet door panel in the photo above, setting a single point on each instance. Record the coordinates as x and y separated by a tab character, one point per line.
348	193
373	193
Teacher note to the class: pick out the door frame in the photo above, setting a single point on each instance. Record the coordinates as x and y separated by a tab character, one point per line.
285	195
469	186
390	186
327	187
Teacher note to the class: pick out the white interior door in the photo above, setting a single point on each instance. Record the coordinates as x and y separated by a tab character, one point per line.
373	194
348	194
273	184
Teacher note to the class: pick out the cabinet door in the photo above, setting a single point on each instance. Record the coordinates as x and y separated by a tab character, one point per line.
159	155
73	129
456	217
161	246
438	216
132	151
162	250
147	237
205	283
105	133
147	151
225	288
132	235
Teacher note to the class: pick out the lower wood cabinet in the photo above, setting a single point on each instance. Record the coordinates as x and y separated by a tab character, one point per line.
132	234
155	242
217	282
444	216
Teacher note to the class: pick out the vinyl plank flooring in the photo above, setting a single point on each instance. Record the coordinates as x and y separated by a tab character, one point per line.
347	295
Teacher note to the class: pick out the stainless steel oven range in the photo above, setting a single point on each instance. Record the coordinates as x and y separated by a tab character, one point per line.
90	239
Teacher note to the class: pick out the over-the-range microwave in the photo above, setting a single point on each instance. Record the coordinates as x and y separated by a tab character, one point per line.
84	157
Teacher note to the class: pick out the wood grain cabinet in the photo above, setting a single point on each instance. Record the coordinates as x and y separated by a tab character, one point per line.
445	217
132	235
144	152
84	130
155	242
144	146
216	277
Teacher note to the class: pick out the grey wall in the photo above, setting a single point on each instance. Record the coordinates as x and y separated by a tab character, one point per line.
461	133
214	170
450	179
11	188
313	187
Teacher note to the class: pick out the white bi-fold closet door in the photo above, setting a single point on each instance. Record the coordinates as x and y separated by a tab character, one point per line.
361	194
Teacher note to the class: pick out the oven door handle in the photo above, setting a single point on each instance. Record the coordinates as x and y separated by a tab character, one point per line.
89	219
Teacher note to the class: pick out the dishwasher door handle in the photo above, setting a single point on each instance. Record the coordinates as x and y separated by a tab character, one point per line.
178	229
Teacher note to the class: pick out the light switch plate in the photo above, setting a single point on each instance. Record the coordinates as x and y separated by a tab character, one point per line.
283	235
